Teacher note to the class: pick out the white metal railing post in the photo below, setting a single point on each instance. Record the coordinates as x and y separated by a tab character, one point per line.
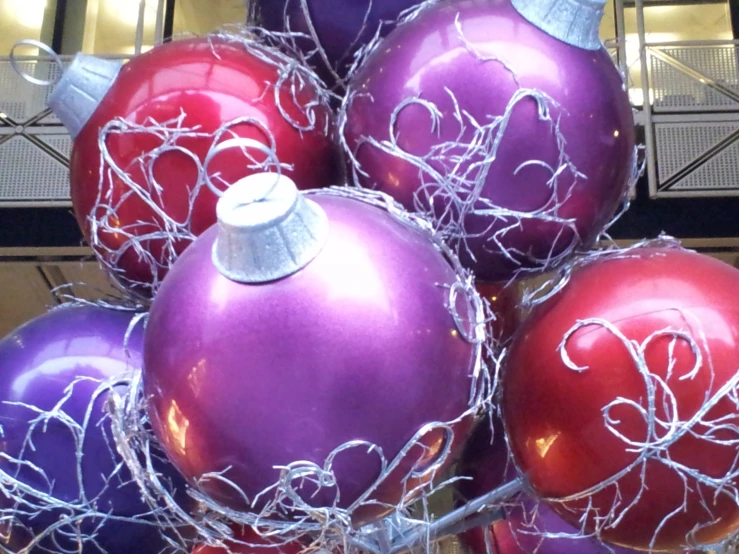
621	40
159	25
140	27
647	104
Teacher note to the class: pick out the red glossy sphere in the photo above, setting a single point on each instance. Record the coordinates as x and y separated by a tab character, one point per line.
210	83
504	301
255	545
557	418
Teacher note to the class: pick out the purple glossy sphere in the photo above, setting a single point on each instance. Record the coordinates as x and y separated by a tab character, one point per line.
523	530
497	54
341	26
38	362
359	345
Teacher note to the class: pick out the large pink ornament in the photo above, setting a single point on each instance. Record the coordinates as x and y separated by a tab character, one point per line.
518	141
355	343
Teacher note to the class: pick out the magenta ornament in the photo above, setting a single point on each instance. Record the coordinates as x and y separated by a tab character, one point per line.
520	144
352	339
68	353
339	27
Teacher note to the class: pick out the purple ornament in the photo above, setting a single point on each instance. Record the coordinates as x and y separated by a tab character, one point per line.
70	352
358	345
526	523
520	142
341	27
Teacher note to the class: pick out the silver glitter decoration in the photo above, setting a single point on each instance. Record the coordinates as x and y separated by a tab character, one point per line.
576	22
267	229
81	89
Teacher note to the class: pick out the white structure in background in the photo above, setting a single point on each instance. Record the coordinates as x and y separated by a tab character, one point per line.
691	120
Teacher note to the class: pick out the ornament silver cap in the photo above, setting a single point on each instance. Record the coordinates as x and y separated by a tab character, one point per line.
576	22
81	89
267	229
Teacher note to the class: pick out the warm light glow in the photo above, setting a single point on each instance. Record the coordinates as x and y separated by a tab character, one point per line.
177	425
127	11
544	444
27	13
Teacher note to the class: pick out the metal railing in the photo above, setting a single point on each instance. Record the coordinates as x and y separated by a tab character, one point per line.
690	114
691	118
34	146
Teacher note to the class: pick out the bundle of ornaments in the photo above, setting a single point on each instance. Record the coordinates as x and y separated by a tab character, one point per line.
320	224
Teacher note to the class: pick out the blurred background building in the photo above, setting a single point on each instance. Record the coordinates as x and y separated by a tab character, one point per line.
681	58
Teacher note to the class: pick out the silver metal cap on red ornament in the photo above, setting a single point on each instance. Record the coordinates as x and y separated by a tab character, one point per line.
81	89
267	229
576	22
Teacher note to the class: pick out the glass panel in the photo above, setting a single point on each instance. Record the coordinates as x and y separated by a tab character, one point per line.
608	25
195	17
25	19
670	24
110	26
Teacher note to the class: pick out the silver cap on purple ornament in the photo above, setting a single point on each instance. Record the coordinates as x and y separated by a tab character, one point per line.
576	22
81	89
267	230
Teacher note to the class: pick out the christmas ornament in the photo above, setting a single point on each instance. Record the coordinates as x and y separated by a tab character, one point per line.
331	32
246	541
527	526
534	527
317	337
51	409
508	123
619	399
504	301
150	135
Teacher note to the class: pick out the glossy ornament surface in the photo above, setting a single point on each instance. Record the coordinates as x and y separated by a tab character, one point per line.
504	301
577	396
71	351
485	110
341	28
357	346
526	525
204	91
254	544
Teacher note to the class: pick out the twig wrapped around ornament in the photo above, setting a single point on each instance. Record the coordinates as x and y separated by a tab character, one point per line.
519	167
144	130
630	427
314	498
63	488
329	35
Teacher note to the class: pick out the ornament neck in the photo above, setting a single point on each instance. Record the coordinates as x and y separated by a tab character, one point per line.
267	230
576	22
81	89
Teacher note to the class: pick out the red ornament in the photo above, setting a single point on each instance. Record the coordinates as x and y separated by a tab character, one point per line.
577	393
204	91
504	301
255	544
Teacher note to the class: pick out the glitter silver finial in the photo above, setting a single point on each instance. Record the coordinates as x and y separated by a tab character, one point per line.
81	89
267	229
576	22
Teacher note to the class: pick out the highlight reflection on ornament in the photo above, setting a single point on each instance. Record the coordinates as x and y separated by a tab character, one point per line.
520	145
51	408
619	399
328	371
144	151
